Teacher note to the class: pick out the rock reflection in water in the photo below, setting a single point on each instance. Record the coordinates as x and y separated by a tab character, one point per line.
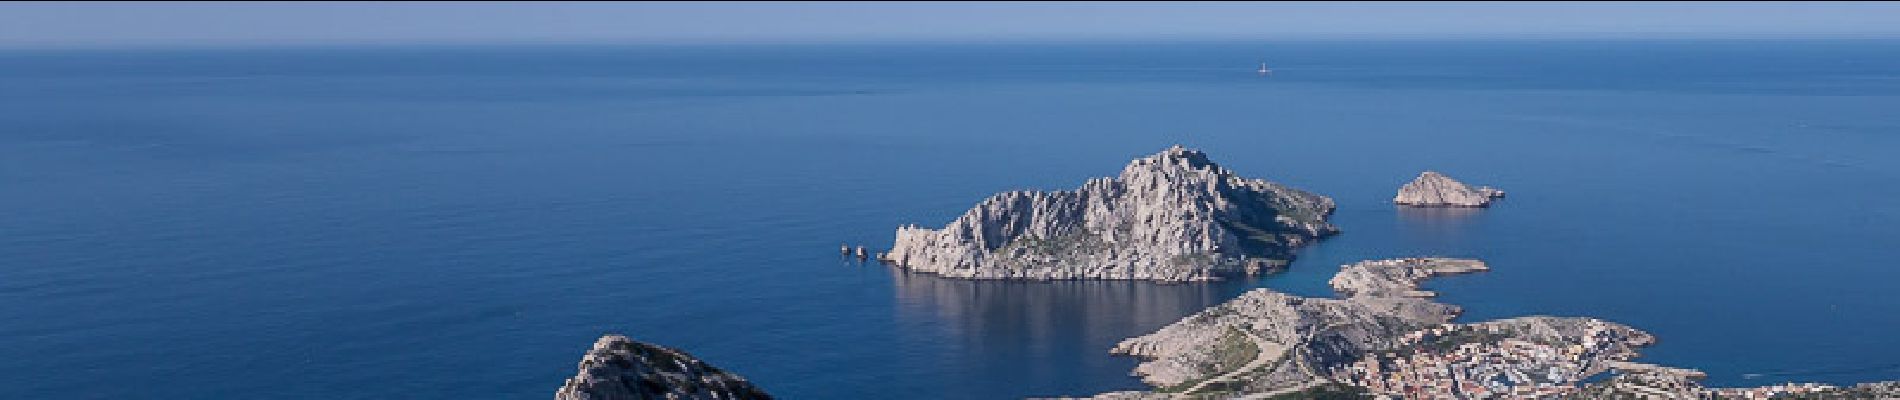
1437	227
1050	336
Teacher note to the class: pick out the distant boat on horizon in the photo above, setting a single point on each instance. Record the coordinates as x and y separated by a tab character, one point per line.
1264	71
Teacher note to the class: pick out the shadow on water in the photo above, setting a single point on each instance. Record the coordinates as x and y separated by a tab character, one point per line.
1435	227
1021	327
1438	220
1004	306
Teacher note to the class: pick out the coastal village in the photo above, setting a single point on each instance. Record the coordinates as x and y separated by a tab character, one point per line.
1472	366
1475	367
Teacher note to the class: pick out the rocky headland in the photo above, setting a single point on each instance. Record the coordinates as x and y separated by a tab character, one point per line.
1384	338
1397	277
1174	216
618	368
1271	342
1433	189
1267	345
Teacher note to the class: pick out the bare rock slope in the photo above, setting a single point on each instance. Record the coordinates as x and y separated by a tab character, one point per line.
1173	216
1385	338
618	368
1270	342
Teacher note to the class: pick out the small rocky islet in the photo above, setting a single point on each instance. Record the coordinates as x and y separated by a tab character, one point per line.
1433	189
1176	216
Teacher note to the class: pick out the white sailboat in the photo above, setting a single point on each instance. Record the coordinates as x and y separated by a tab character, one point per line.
1264	71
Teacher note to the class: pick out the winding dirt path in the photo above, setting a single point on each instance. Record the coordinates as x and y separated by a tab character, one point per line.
1263	357
1268	352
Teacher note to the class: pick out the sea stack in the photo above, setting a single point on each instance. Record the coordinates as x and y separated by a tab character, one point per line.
1433	189
1174	216
618	368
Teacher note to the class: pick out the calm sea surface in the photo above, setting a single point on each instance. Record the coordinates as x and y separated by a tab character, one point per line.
439	222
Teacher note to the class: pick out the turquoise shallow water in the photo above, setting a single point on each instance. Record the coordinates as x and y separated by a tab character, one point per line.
462	222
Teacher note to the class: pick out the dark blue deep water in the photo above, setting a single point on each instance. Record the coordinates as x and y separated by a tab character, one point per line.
463	222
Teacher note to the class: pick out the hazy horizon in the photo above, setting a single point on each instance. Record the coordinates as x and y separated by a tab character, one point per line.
254	24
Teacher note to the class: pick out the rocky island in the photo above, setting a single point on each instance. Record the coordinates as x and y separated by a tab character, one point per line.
1383	338
618	368
1433	189
1173	216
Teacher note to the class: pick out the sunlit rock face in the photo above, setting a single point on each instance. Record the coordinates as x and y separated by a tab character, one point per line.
1432	189
1173	216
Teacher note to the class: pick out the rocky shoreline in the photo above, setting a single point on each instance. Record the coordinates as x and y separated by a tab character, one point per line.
1174	216
1372	344
1383	339
1269	342
1398	277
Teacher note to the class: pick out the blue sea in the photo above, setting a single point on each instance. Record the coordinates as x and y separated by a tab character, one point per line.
462	222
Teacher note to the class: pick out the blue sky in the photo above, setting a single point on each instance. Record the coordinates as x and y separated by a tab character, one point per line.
60	24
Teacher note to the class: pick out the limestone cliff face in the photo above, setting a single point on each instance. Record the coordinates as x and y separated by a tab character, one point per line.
618	368
1173	216
1432	189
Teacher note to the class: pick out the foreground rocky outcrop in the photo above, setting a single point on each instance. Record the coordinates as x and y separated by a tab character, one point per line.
618	368
1385	339
1174	216
1433	189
